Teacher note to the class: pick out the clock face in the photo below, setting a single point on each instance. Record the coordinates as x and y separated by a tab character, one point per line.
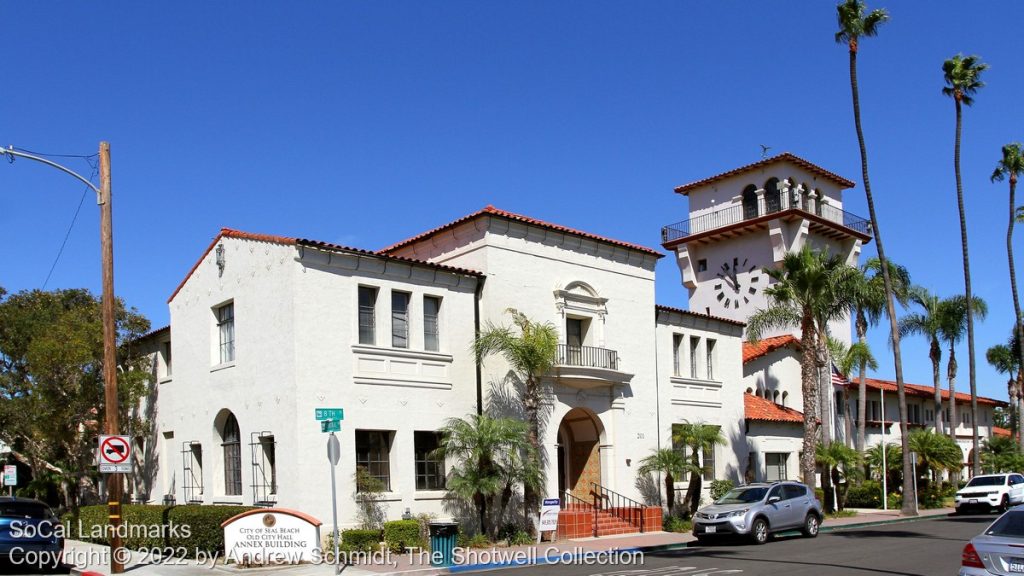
731	291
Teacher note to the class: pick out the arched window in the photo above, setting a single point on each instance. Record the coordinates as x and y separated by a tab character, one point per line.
775	396
232	446
772	195
750	202
750	390
785	398
803	196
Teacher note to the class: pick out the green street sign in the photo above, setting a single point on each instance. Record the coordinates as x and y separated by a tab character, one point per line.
330	413
330	426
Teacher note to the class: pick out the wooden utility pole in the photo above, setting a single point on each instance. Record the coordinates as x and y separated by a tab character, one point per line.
114	481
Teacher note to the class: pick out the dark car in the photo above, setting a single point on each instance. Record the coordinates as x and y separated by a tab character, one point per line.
29	532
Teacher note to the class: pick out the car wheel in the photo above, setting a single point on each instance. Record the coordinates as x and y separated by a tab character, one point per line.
1004	504
759	531
811	525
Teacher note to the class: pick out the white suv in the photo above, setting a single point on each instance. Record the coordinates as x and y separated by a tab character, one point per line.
998	491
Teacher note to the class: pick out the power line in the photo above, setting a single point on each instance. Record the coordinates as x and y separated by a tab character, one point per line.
67	234
86	156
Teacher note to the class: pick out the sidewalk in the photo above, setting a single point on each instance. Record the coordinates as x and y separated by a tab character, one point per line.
93	559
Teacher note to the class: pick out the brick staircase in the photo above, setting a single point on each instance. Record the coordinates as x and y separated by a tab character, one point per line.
579	519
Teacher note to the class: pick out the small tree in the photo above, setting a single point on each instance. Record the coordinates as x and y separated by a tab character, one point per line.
935	453
369	496
668	462
1001	454
484	449
838	461
697	437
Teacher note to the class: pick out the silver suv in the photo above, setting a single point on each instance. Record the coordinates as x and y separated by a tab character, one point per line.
758	510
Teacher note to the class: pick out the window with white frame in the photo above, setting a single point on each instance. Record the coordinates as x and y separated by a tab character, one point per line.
226	332
165	354
709	346
373	459
429	467
367	315
775	466
400	319
431	323
694	362
677	354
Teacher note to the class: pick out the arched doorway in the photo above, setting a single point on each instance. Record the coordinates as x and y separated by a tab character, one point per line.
579	452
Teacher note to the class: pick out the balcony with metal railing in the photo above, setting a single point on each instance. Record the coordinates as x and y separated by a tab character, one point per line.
589	366
737	215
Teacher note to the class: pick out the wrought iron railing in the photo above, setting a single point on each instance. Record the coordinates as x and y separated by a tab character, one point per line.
736	213
588	356
617	505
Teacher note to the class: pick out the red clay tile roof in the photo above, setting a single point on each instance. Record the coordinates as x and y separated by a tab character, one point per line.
685	188
492	211
1001	431
339	248
231	233
763	346
698	315
919	391
757	408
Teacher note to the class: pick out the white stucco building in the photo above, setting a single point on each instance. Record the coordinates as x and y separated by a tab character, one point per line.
265	329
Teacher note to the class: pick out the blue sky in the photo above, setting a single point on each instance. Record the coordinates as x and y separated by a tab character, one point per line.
363	123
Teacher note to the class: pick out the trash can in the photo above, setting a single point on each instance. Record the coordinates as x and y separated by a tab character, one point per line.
442	543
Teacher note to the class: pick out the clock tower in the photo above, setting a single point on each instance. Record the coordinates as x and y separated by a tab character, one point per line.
744	221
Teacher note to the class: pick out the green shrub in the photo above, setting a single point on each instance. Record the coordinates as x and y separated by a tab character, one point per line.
520	538
204	524
478	541
895	501
461	539
360	540
400	535
675	524
866	494
190	527
720	488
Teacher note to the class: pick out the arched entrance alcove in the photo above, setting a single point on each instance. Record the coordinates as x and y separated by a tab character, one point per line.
580	436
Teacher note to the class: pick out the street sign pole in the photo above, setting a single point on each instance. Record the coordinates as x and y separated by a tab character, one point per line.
333	456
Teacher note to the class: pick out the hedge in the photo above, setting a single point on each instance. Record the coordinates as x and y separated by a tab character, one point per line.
400	535
142	524
358	540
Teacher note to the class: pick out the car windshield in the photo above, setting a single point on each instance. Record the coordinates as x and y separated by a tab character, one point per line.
743	495
1010	524
24	510
986	481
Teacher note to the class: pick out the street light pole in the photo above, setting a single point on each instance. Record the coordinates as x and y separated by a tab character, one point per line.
103	198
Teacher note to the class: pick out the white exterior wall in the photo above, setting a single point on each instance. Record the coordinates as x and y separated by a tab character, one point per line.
777	371
716	401
726	191
525	266
296	338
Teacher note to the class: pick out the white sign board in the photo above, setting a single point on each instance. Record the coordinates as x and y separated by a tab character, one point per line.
271	536
115	455
549	514
10	475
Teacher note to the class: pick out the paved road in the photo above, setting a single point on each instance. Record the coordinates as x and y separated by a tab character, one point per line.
921	548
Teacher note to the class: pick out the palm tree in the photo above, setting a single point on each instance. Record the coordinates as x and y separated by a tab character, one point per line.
893	453
1011	166
953	321
854	24
530	352
935	452
928	323
847	359
963	79
697	437
837	460
869	303
811	288
668	462
1003	357
481	445
1001	454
